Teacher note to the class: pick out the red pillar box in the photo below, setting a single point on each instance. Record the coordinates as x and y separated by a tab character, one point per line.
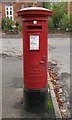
35	57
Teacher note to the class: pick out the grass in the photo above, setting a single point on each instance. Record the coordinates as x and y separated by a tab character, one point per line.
50	103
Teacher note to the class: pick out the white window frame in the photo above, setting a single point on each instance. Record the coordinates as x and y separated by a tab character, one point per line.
9	7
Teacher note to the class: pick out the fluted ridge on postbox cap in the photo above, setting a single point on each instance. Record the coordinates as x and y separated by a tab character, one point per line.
30	11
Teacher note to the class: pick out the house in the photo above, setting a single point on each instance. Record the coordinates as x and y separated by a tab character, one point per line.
9	9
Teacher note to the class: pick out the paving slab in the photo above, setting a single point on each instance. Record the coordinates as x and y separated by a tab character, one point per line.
12	95
59	51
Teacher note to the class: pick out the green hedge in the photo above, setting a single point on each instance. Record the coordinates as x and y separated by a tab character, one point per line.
7	24
50	23
65	22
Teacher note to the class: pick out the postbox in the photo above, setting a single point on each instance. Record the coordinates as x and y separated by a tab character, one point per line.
35	57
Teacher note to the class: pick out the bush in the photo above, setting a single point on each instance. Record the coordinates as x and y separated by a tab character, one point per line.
47	5
65	22
7	24
50	23
57	14
71	21
20	27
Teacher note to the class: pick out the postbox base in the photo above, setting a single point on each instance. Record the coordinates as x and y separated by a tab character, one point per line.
36	100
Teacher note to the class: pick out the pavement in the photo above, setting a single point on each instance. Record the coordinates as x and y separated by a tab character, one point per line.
60	54
12	91
59	51
11	47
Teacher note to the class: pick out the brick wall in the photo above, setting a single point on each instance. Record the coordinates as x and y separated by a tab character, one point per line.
3	9
71	7
40	4
17	6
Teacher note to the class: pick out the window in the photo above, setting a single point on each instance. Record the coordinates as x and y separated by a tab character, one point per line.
9	11
10	8
30	5
27	4
6	8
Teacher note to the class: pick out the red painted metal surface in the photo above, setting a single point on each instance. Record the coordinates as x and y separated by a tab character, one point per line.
35	61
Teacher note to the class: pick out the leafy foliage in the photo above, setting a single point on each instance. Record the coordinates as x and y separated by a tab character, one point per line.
71	21
59	10
60	15
65	21
47	5
20	27
50	23
7	24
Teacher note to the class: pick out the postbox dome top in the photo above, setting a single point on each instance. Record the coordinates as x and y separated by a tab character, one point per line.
34	11
35	8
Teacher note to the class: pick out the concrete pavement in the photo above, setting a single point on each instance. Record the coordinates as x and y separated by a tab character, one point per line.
12	91
59	51
11	47
60	55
